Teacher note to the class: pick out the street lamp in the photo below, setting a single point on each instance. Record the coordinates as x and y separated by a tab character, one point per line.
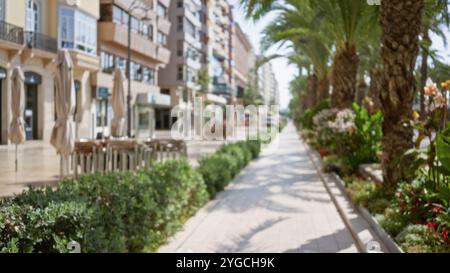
145	6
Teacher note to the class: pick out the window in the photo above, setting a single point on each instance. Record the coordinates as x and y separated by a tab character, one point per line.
103	111
2	10
147	31
180	4
135	24
150	76
161	10
33	14
180	21
121	63
77	31
190	28
180	73
136	71
120	16
107	62
180	48
162	38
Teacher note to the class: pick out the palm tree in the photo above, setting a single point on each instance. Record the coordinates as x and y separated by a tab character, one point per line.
436	14
295	25
345	22
401	23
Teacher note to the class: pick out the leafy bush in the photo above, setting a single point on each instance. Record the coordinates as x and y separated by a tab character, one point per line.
368	194
255	147
421	239
306	119
392	221
49	229
220	168
118	212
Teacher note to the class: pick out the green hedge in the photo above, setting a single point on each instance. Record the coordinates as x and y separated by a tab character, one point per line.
220	168
118	212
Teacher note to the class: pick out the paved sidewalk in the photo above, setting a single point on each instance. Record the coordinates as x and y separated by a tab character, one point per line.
278	204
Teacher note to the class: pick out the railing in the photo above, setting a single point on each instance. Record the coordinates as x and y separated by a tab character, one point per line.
11	33
41	41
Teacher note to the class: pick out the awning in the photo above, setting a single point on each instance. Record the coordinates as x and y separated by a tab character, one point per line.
216	99
157	100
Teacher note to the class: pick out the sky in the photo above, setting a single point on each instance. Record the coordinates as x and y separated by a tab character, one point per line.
285	72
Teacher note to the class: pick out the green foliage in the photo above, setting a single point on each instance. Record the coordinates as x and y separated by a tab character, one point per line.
220	168
307	118
368	194
369	133
443	151
392	221
49	229
420	239
118	212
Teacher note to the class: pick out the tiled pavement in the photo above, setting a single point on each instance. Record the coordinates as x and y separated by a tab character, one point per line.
278	204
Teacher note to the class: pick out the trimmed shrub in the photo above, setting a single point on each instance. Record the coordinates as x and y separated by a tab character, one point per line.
118	212
220	168
49	229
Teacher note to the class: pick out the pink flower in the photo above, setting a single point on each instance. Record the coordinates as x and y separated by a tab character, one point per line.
440	101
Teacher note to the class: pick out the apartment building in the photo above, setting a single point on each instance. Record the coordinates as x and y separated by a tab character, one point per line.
149	53
31	32
244	60
268	85
179	78
219	49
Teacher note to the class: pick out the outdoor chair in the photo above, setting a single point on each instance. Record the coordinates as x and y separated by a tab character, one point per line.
87	157
121	155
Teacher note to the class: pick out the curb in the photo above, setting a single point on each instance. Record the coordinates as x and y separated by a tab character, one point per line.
385	238
359	243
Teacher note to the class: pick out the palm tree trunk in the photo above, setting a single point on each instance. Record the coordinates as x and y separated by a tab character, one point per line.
424	69
374	89
362	86
401	24
311	92
323	88
344	77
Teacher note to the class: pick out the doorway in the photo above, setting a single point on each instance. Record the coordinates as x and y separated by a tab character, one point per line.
31	111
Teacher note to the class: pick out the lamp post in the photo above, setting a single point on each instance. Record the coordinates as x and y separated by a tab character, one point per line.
145	6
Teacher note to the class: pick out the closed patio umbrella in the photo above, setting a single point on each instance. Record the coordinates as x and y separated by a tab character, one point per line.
118	104
16	128
62	137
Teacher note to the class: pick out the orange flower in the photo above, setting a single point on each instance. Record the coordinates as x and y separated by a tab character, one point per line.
416	116
446	85
431	89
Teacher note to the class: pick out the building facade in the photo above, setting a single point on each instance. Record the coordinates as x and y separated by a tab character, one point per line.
149	53
219	49
244	60
268	85
179	78
31	32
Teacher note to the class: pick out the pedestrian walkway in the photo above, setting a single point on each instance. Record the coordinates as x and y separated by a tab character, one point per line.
278	204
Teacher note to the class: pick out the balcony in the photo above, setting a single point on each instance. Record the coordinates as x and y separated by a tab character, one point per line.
11	33
40	41
11	38
110	32
41	46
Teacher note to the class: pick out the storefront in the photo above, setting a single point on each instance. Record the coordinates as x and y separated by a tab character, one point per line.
153	113
31	115
103	112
